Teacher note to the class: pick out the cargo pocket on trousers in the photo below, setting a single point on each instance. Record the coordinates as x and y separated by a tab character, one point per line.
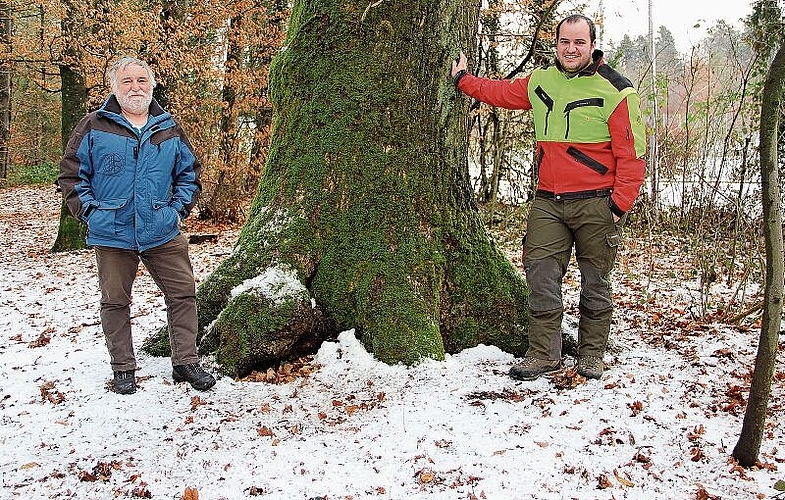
612	242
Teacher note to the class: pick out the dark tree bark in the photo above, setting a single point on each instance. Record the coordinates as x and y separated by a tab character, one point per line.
747	449
173	13
5	86
363	217
71	232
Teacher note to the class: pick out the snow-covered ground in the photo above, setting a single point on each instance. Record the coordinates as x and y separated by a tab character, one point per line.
661	423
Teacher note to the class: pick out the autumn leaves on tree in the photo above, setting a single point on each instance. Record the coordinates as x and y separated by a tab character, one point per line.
211	60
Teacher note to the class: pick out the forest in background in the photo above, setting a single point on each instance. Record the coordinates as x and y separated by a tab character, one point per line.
212	60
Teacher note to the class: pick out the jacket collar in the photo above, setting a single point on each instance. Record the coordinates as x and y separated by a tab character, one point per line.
597	61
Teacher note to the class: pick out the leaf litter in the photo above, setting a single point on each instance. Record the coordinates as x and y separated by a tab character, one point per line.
661	423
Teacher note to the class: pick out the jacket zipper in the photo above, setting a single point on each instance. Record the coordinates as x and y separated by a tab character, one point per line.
546	99
592	101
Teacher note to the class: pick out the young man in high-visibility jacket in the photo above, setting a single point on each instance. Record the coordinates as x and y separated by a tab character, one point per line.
590	148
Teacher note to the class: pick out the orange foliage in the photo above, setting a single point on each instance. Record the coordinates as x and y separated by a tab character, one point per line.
210	59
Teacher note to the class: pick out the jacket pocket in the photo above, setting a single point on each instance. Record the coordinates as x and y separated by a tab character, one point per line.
587	160
164	220
102	221
597	102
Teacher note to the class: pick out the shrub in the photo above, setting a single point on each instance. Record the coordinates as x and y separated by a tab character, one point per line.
39	174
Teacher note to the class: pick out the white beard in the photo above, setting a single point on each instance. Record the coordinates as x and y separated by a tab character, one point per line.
135	105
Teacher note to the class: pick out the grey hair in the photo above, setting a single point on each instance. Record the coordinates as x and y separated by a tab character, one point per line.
123	63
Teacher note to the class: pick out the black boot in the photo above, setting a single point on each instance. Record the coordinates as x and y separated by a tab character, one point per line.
125	382
194	375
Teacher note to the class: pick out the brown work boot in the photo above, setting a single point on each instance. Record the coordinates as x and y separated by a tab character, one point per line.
590	366
531	368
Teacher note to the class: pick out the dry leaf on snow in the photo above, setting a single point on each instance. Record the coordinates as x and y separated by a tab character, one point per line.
190	494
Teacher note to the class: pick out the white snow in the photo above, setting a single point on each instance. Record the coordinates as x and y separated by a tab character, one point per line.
276	283
659	425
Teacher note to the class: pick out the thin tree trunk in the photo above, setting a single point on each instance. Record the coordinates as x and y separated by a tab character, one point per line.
364	218
498	148
71	232
173	14
263	54
653	161
747	449
497	142
5	86
219	205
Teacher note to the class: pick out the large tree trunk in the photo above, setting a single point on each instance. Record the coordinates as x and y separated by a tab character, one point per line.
363	218
71	232
748	446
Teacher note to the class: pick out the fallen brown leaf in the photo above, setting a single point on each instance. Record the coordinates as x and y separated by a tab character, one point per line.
49	393
426	476
265	431
190	494
567	379
42	339
196	401
622	480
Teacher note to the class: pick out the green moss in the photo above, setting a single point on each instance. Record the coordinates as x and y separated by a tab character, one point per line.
243	335
157	344
488	294
37	175
466	332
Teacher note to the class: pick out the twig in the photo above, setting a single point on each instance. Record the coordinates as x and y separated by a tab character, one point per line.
370	6
744	314
546	15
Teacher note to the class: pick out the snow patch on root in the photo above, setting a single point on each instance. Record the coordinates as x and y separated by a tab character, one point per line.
277	283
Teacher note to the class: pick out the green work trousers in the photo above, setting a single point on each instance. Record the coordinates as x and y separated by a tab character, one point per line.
554	227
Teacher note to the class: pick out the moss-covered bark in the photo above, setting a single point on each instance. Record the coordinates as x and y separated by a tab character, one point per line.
365	195
71	233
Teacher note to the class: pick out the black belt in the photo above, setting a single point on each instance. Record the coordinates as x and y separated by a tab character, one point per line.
577	195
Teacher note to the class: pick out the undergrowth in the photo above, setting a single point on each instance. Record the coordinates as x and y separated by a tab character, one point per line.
32	175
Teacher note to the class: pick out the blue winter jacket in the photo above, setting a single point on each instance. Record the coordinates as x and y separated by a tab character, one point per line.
131	187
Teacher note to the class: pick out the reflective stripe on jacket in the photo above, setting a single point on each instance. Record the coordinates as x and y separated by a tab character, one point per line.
131	186
590	134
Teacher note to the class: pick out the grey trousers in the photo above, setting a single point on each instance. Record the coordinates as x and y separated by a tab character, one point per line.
170	267
553	228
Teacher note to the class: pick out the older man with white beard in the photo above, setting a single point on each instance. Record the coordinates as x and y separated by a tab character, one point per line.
130	173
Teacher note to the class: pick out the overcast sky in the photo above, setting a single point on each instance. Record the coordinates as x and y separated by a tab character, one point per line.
679	16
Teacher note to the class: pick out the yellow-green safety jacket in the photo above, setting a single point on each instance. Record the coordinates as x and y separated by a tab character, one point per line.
590	134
